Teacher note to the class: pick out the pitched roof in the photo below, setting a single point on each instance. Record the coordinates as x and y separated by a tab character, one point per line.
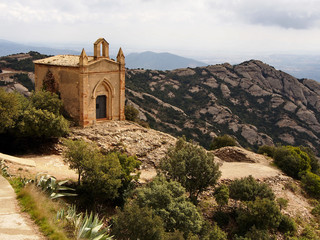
65	60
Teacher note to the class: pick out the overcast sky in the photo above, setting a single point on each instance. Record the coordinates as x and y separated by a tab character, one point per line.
186	27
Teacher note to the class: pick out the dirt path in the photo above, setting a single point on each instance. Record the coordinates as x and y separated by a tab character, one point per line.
30	165
13	224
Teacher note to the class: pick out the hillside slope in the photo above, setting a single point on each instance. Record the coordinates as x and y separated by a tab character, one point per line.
252	101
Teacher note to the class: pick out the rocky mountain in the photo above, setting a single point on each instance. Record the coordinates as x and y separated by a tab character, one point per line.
252	101
160	61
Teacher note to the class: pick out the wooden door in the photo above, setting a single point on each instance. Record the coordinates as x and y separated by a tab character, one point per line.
101	107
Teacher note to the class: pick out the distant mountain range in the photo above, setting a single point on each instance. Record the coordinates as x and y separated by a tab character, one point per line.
160	61
300	66
8	48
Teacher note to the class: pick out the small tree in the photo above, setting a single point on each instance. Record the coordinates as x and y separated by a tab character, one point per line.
261	213
222	141
10	109
292	160
169	202
137	223
77	153
283	203
131	113
248	189
192	166
268	150
46	101
221	195
311	183
42	124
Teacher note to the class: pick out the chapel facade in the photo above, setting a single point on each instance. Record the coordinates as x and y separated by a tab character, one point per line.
92	88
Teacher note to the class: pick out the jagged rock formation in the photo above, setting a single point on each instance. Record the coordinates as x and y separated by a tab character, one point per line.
252	101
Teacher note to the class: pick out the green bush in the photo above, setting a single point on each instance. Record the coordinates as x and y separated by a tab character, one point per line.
37	117
292	160
268	150
103	176
46	101
257	234
283	203
10	110
314	161
212	232
311	183
248	189
287	225
262	213
134	222
42	124
222	141
168	201
221	195
316	211
77	153
192	166
131	113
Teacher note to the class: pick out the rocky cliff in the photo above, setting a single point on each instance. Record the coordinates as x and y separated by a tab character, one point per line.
252	101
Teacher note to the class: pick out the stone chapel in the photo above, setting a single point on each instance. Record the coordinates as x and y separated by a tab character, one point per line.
92	88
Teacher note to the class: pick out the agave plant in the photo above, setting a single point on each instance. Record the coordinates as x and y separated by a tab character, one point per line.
4	169
85	226
50	185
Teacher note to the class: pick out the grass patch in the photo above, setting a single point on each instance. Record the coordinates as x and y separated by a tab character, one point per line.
42	210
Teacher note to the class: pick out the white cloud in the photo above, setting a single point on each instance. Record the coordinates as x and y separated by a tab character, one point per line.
181	26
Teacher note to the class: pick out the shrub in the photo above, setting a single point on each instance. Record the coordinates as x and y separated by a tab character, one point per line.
38	117
212	232
104	176
287	225
101	176
311	183
131	113
222	141
77	153
262	213
268	150
257	234
221	195
192	166
134	222
314	161
40	123
316	210
10	107
168	201
292	160
248	189
283	203
46	101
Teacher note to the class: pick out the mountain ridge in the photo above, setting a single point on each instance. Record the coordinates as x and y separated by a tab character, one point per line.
252	101
159	61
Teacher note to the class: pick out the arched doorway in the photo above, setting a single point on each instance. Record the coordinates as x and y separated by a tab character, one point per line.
103	94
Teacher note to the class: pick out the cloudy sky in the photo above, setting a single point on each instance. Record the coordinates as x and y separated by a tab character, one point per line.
193	28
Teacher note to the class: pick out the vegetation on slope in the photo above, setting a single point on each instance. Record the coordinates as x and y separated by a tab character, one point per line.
23	119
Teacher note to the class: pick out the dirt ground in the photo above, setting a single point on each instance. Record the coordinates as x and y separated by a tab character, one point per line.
259	166
48	164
